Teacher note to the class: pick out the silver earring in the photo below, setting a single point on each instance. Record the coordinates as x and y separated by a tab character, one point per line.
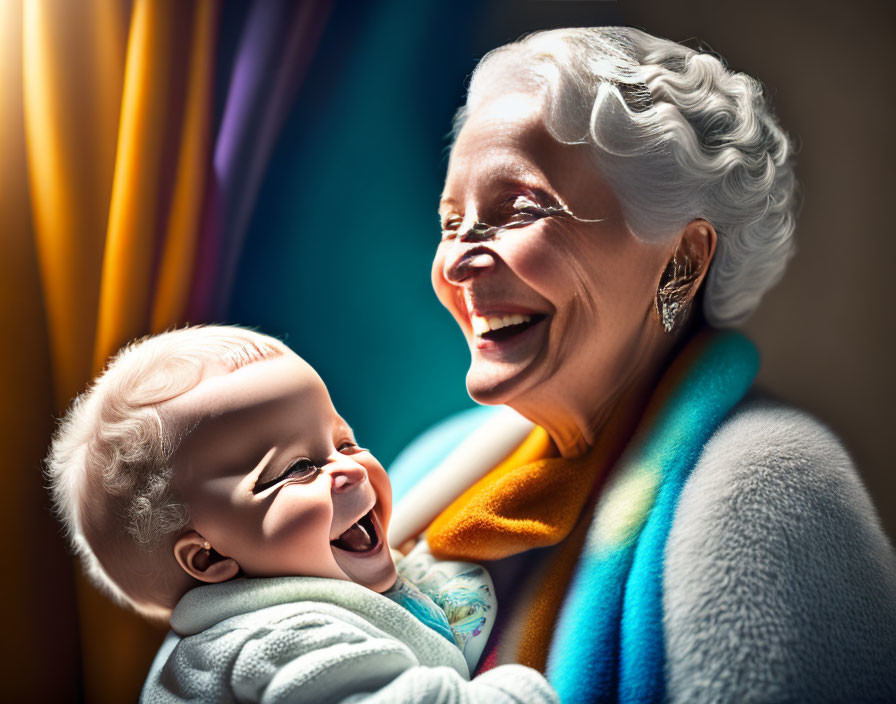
673	295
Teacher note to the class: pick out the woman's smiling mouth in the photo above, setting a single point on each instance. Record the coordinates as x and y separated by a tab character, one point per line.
498	328
505	332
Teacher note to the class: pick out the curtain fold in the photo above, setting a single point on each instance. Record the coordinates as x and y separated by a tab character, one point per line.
72	59
134	218
277	44
180	241
37	584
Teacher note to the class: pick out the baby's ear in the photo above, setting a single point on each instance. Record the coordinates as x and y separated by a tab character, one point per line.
199	559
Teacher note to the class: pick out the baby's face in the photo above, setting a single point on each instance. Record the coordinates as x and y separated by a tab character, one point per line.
273	479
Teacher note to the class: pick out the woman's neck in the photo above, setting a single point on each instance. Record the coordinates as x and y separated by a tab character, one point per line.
576	418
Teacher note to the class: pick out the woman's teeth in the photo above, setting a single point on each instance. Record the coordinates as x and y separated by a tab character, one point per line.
482	325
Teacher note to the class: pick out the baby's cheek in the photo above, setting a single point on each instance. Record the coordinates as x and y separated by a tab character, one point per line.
292	517
294	541
383	489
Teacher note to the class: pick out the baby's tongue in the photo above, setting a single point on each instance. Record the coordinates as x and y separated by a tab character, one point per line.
355	539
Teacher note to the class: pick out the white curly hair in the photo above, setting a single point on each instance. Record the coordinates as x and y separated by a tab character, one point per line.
676	134
109	465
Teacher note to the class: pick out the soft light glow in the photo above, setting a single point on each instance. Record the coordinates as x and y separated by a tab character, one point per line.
624	508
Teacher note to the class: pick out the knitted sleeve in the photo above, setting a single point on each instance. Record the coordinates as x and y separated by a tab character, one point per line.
779	583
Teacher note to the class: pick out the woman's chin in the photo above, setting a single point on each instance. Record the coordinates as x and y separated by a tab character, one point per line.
500	367
494	384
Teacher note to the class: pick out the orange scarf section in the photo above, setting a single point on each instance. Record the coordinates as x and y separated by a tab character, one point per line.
495	517
535	639
532	499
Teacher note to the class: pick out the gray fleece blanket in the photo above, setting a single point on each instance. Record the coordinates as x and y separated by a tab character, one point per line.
304	639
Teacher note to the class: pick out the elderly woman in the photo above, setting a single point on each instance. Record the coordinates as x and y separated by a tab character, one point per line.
662	532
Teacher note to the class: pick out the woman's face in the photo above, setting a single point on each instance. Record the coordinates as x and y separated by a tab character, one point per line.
557	306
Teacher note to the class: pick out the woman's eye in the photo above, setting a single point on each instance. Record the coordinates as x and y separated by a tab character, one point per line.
348	448
522	203
450	226
524	208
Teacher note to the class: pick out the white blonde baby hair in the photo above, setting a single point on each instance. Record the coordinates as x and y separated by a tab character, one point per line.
111	452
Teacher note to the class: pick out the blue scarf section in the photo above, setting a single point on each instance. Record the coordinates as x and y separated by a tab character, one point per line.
608	643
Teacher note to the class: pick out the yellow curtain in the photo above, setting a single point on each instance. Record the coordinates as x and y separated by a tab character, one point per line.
154	91
106	112
39	618
181	231
105	132
72	57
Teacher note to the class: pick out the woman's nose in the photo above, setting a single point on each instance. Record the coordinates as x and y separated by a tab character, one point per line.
467	261
345	474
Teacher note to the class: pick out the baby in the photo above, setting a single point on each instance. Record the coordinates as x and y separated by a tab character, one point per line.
205	478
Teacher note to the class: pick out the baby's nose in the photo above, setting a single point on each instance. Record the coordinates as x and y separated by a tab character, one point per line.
346	474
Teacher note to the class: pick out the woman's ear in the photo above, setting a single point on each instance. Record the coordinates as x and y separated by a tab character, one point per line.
697	243
684	274
198	559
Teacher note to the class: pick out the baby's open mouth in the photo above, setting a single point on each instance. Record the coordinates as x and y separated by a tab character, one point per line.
360	537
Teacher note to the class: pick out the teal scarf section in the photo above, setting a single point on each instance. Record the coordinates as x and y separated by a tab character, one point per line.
608	643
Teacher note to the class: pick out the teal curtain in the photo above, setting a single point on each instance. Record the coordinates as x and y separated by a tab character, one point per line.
338	252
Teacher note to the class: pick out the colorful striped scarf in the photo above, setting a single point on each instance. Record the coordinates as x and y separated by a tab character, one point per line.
590	614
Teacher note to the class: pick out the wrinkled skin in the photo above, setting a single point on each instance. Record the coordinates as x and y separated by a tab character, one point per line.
586	281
